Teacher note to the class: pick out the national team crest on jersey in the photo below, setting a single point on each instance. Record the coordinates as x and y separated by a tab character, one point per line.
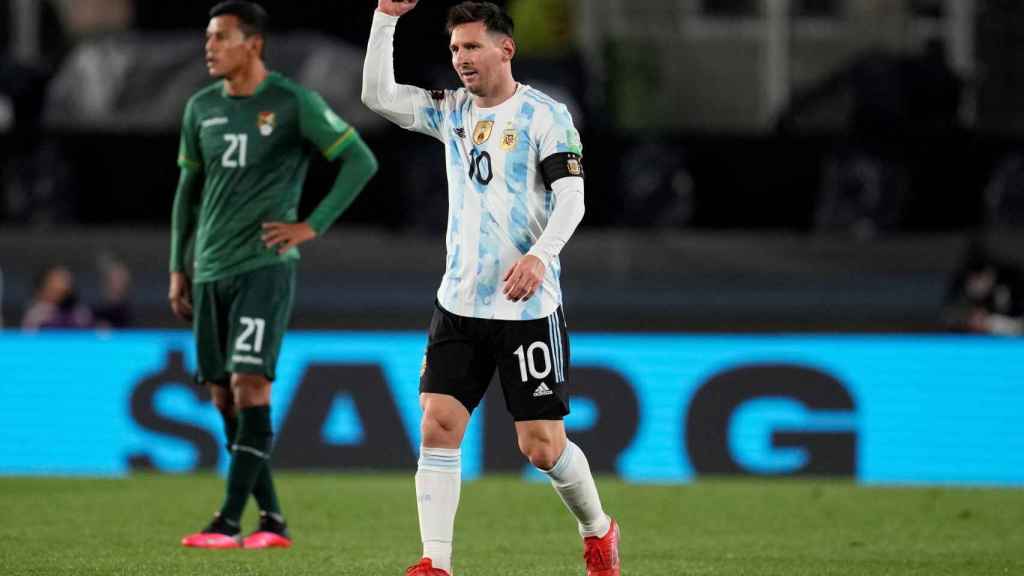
508	139
265	122
482	131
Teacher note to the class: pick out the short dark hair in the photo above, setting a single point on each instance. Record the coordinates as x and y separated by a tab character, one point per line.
494	18
252	18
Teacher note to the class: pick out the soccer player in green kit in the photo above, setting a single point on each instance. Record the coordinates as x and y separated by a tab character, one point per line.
245	147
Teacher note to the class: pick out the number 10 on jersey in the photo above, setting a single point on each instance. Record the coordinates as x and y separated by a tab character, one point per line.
480	167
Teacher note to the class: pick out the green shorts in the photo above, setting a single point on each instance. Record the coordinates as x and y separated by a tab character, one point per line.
239	322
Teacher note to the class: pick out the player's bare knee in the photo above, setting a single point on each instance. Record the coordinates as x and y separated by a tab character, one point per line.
223	400
250	390
225	407
543	457
541	452
437	438
438	432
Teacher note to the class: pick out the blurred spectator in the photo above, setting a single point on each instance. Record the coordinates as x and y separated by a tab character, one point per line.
33	33
903	116
985	295
89	17
115	311
862	194
657	187
37	41
55	302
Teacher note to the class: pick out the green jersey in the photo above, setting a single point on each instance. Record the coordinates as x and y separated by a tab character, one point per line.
252	153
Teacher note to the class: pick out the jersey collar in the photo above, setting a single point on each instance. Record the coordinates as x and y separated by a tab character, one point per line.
260	88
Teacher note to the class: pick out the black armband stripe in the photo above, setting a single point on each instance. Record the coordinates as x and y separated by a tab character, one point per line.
560	165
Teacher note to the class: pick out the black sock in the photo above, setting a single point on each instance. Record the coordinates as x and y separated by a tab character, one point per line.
263	490
249	455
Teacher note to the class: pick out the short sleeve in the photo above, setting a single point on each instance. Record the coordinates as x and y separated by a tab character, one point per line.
322	126
559	135
189	153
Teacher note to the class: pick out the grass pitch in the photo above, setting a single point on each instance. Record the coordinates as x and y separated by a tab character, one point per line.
366	525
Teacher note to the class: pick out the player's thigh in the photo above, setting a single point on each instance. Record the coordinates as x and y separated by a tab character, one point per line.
258	319
210	305
533	359
457	362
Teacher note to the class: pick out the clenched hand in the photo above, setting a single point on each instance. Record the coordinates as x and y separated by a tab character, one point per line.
396	7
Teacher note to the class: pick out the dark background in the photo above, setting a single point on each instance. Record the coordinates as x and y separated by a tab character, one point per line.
805	224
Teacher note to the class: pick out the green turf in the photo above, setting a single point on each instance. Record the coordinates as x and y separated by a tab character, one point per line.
366	525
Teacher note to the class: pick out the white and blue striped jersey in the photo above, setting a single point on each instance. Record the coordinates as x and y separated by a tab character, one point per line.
498	204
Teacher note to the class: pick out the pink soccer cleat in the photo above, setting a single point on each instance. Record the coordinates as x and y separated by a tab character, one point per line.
218	535
266	540
425	568
602	554
210	540
272	533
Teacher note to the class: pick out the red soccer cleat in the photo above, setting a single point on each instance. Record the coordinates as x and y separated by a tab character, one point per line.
211	540
425	568
266	540
602	554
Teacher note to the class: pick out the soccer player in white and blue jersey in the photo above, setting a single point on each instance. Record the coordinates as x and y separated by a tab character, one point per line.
515	192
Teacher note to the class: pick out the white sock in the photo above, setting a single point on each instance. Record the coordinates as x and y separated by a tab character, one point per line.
575	485
438	483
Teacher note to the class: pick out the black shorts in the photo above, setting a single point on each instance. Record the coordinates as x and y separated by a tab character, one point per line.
531	357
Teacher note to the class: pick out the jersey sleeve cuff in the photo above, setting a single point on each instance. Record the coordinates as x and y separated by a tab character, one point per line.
542	255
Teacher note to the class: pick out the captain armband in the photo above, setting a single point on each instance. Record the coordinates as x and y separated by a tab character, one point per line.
561	165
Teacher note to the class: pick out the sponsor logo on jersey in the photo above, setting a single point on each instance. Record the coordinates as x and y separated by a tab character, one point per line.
246	359
508	138
216	121
265	122
460	132
482	131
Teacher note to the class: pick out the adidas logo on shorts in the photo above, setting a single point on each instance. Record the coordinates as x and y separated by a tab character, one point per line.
542	390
